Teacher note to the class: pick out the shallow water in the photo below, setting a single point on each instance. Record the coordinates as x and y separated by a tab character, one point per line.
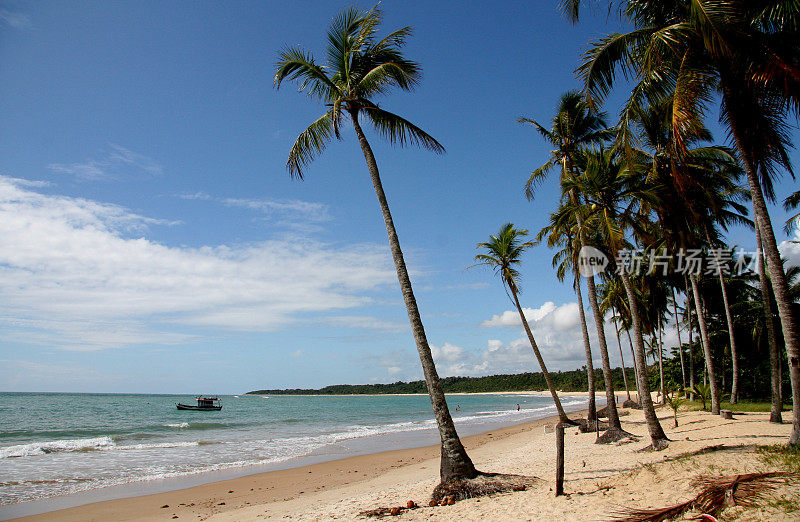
57	444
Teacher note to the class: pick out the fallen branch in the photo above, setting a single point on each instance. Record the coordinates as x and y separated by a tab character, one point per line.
716	493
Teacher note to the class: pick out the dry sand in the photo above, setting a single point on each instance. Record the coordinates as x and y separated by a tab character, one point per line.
599	479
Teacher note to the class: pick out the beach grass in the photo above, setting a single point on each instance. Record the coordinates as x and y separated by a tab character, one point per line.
739	407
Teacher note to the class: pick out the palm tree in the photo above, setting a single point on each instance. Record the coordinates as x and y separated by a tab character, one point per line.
575	127
359	66
749	53
503	253
710	194
614	299
565	261
612	196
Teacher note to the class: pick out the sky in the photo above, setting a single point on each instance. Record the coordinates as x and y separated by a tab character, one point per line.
152	240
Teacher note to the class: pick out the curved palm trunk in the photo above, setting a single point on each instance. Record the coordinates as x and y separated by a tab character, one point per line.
780	288
780	285
701	320
611	403
592	415
657	435
455	463
561	415
680	343
776	379
622	360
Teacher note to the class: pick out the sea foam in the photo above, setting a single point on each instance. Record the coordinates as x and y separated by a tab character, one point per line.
56	446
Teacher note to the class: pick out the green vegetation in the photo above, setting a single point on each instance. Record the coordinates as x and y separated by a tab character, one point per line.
574	380
786	458
741	406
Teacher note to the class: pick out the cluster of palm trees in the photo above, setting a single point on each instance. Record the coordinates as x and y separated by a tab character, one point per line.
651	181
683	57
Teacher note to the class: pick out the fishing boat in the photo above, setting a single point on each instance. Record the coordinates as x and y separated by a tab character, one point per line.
203	404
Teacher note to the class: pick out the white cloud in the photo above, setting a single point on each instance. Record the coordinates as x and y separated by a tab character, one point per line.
447	353
202	196
791	250
367	322
561	317
292	213
71	275
557	333
291	207
511	317
15	19
115	163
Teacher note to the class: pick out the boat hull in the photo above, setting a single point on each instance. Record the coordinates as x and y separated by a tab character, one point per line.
197	408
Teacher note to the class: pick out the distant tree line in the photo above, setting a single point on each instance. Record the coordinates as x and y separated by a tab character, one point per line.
573	380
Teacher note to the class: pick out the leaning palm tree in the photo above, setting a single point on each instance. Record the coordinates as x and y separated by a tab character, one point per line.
503	253
613	195
565	261
359	67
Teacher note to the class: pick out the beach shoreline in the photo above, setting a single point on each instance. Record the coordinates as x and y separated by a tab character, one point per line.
269	486
599	479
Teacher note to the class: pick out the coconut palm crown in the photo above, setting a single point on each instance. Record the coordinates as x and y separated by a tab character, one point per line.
503	254
358	68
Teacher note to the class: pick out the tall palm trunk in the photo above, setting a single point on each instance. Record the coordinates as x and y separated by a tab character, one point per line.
592	416
680	343
657	435
561	415
780	285
732	339
731	336
661	364
455	463
633	357
701	320
776	379
691	333
599	322
622	360
611	403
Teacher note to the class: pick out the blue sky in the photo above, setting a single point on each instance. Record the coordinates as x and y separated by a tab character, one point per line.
151	239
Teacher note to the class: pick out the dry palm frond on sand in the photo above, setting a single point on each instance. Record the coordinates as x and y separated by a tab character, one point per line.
715	494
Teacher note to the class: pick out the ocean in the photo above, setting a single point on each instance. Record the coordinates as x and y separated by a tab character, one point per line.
54	444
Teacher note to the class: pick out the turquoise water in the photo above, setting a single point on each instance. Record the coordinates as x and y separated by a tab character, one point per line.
57	444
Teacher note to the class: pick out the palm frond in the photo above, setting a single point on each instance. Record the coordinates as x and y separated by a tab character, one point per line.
399	130
538	177
311	142
294	64
601	61
692	95
384	75
341	34
715	494
544	132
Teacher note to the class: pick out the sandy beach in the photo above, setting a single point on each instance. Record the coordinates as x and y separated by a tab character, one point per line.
600	480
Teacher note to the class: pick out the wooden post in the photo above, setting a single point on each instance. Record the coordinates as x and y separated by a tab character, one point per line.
559	459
